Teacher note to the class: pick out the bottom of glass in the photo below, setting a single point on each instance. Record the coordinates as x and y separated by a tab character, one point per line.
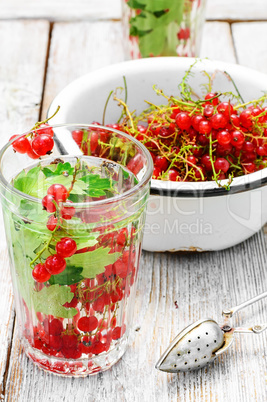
79	367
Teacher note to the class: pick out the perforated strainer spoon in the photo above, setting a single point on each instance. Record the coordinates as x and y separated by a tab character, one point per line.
200	343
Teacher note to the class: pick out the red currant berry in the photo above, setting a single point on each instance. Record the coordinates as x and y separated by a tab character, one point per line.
53	327
32	154
52	223
156	172
208	110
48	203
221	164
55	264
246	118
40	273
66	247
173	175
55	342
59	192
224	137
45	129
226	109
248	146
206	162
183	120
204	127
196	120
77	135
116	333
88	324
209	97
43	144
161	162
191	159
237	139
249	167
21	145
67	212
218	120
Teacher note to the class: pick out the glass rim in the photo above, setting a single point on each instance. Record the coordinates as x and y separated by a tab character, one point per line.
117	198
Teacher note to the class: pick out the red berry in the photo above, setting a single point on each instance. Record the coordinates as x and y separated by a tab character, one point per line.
55	342
183	120
70	341
246	118
88	324
226	109
205	127
52	223
53	327
116	333
221	164
161	162
43	144
196	120
237	139
32	154
48	203
66	247
208	110
191	159
173	175
214	101
59	192
40	273
248	146
67	212
224	137
218	120
45	129
77	135
21	145
205	160
55	264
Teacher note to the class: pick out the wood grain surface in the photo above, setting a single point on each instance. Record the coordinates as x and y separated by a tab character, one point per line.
69	10
37	60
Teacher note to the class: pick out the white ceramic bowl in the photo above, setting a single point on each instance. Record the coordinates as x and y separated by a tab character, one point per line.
181	216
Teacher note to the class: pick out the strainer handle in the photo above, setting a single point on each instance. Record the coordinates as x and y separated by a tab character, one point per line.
256	329
230	312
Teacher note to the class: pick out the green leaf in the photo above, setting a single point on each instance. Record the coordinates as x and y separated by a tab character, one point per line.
60	168
25	182
144	21
96	185
50	300
160	5
69	276
153	42
93	262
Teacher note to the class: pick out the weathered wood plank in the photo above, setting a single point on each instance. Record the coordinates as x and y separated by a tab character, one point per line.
236	10
201	285
251	53
217	42
62	10
77	48
23	59
70	10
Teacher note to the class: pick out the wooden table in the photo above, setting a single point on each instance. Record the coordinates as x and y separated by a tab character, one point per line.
46	44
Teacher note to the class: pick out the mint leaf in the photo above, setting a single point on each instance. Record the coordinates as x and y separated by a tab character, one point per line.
60	168
50	300
69	276
93	262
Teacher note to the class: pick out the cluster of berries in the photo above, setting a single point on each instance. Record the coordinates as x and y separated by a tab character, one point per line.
56	263
66	247
38	143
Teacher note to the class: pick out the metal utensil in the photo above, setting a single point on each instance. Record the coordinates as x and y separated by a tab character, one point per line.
200	343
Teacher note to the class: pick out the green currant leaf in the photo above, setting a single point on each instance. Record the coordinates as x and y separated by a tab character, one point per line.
96	185
153	42
26	182
58	169
159	5
50	300
93	262
69	276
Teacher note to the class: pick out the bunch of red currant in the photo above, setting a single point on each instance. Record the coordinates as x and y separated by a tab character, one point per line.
35	144
66	247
